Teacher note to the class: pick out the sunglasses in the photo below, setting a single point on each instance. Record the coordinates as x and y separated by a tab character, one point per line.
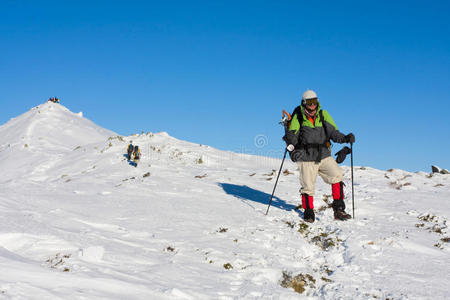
309	102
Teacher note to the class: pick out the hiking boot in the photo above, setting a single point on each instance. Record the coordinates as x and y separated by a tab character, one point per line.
340	214
309	216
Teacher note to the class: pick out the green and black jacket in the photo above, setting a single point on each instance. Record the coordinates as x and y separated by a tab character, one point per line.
310	140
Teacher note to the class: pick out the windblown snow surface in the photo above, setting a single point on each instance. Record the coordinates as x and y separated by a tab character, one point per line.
78	221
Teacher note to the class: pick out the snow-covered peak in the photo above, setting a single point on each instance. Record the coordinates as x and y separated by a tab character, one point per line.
33	141
51	126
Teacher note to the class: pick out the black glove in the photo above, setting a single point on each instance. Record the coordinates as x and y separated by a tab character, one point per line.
350	138
342	154
290	138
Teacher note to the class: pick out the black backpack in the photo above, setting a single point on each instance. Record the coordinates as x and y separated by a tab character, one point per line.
136	152
130	148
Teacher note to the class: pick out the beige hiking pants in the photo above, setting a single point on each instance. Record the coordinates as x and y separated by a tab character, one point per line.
328	169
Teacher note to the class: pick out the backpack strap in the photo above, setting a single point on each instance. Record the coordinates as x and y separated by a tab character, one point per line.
322	119
298	111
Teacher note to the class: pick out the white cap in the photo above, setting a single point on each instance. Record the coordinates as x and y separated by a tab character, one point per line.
309	94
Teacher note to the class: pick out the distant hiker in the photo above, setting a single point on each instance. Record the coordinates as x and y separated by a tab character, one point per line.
307	141
130	150
53	99
136	155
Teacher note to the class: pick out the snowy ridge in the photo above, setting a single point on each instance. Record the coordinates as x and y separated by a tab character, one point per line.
42	135
51	126
79	221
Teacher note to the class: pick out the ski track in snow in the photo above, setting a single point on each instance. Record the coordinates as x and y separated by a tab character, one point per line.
81	223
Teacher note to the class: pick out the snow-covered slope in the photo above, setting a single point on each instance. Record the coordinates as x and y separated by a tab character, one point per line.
37	139
78	221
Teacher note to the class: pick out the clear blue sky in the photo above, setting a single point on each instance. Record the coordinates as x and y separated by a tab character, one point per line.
220	72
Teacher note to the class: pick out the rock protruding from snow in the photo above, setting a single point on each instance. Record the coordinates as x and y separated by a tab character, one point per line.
436	169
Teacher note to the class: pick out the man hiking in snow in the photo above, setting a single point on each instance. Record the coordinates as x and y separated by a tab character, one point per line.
307	141
130	150
136	155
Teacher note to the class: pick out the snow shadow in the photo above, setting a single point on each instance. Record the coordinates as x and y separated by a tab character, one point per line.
247	193
130	162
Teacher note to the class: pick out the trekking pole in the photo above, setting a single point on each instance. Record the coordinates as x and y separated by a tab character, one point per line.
353	191
279	172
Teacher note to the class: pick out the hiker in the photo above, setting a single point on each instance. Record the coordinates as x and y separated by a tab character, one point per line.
136	154
307	140
130	150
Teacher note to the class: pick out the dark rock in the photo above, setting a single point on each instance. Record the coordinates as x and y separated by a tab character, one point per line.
435	169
